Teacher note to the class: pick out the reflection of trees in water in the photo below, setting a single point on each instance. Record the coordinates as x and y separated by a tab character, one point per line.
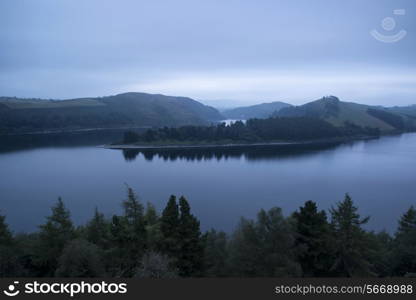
59	139
269	152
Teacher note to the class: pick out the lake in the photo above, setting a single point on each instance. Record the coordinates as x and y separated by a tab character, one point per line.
221	184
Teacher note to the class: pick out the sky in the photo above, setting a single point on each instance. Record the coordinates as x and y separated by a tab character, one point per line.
223	53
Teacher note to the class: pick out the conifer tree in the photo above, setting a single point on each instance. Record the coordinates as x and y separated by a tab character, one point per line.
133	209
405	244
54	234
169	226
153	232
265	247
151	217
215	253
130	232
9	265
313	236
191	252
98	230
80	258
351	242
6	237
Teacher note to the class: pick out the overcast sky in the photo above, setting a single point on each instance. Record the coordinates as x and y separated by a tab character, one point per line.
242	51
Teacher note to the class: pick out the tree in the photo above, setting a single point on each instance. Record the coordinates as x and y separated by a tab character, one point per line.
6	237
215	253
350	240
313	236
153	232
117	258
80	258
129	236
53	237
191	251
265	247
151	217
156	265
405	244
9	265
133	209
98	230
169	226
380	254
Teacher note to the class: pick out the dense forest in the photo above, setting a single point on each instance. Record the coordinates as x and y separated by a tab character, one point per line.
253	130
143	243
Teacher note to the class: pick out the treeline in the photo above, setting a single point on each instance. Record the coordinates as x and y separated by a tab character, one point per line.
253	130
142	243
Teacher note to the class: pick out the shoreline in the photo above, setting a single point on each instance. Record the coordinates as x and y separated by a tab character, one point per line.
230	145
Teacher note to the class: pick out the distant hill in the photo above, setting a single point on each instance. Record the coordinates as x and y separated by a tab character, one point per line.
338	113
409	111
259	111
119	111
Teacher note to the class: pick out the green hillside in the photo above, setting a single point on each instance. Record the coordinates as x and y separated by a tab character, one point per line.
259	111
409	111
119	111
338	113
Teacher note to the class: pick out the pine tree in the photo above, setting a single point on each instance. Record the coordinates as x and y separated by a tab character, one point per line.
9	265
53	237
80	258
215	253
153	232
169	226
265	247
350	240
405	244
407	222
133	209
98	230
117	259
151	217
6	237
129	231
313	235
191	252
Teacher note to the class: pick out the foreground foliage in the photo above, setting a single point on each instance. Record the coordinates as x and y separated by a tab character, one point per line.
142	243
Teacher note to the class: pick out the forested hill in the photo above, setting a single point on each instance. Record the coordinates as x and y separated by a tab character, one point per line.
259	111
119	111
274	129
337	112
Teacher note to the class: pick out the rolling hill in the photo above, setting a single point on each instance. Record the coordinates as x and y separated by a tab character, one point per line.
259	111
339	113
409	111
119	111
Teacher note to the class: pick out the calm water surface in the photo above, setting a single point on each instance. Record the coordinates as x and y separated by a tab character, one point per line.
221	186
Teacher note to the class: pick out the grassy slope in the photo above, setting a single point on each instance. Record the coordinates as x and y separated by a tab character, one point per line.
357	114
337	113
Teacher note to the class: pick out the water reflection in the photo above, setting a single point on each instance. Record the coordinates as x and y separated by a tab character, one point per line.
251	153
60	139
